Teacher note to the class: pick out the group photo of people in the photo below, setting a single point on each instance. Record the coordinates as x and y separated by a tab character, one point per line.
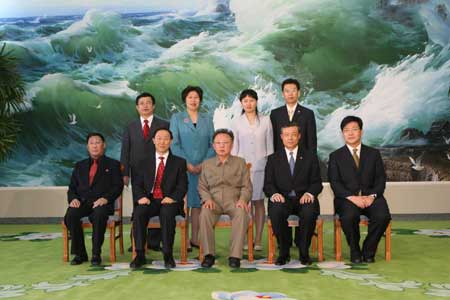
186	167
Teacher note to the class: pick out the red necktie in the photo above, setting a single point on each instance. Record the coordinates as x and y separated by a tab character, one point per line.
92	171
146	129
157	192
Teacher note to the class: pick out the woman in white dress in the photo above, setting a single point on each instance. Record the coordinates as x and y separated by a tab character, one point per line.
254	142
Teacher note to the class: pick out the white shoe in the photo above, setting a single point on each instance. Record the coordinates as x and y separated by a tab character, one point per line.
246	247
258	248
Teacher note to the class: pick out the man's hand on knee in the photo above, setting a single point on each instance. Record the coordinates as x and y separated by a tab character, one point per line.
75	203
209	204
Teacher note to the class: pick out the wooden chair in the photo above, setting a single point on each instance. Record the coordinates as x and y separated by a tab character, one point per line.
114	221
364	221
225	222
181	224
293	221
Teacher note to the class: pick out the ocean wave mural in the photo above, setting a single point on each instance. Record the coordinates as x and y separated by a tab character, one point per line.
387	61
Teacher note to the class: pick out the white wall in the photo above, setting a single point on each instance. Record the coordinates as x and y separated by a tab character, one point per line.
403	198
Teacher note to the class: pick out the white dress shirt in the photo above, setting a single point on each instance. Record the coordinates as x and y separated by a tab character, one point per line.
150	119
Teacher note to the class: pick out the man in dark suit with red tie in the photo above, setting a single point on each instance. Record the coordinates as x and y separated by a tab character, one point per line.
159	187
292	182
357	177
137	145
95	185
295	113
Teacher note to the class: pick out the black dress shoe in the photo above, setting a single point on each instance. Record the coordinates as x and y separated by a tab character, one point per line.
306	261
234	262
282	260
96	260
369	260
155	248
169	262
356	260
79	259
208	261
130	249
138	262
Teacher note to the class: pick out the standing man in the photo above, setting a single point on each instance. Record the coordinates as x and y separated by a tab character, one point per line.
292	182
224	188
95	185
293	112
357	177
137	145
159	187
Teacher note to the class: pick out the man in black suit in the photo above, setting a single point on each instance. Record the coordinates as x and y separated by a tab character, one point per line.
298	114
159	187
357	177
95	185
292	182
137	145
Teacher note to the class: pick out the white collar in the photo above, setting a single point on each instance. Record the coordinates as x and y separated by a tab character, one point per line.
358	149
150	119
294	152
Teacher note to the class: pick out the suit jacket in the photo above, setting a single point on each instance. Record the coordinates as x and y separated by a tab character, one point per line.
348	180
134	147
254	144
192	143
174	182
304	117
107	182
306	178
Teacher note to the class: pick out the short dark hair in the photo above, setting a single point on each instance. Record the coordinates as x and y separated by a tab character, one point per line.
189	89
349	119
161	129
143	95
252	94
289	125
223	131
91	134
290	81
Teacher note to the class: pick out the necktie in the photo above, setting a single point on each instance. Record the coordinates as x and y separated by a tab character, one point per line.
146	129
291	166
92	171
291	162
356	157
157	192
291	114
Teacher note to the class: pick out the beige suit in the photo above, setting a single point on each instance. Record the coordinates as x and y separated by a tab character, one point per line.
225	184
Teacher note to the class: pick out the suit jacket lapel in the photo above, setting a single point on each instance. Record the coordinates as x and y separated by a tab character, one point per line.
349	158
297	113
298	162
100	167
362	157
84	172
284	162
167	168
151	173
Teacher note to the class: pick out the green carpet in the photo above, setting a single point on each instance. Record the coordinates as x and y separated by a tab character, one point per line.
419	268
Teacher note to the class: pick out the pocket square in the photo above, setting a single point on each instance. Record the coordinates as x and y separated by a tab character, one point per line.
106	170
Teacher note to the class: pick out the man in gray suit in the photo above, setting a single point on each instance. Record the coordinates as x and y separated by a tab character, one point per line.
137	145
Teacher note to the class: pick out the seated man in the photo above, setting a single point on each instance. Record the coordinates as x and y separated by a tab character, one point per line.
94	187
357	177
292	182
158	190
225	188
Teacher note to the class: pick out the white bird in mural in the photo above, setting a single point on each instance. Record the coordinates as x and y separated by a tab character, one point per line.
173	107
417	163
72	119
446	140
98	106
89	49
448	156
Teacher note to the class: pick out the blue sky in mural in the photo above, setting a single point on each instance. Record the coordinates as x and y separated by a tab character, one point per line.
36	8
85	61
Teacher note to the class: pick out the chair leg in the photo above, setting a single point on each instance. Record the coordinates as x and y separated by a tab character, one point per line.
65	236
270	243
183	244
133	244
112	243
200	252
122	252
314	242
319	228
388	242
250	241
337	240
